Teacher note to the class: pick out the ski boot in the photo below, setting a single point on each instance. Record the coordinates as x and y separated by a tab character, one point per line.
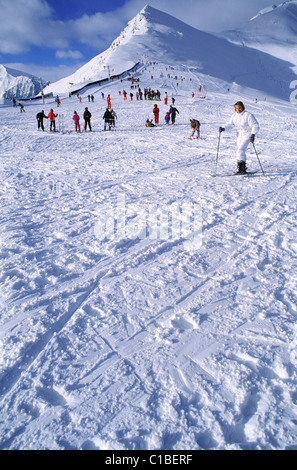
241	168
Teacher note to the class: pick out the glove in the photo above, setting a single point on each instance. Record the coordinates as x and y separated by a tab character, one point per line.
252	138
221	129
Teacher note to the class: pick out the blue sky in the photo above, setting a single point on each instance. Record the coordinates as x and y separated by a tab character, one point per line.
53	38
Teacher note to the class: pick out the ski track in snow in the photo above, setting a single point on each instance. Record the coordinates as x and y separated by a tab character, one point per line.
138	343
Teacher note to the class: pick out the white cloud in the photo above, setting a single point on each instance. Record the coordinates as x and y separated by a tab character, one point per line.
27	23
97	29
206	15
51	74
69	55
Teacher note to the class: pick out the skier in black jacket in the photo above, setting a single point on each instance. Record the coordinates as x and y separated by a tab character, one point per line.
40	116
108	118
87	118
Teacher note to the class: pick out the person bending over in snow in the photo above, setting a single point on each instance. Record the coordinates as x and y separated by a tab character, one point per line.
247	127
195	126
149	123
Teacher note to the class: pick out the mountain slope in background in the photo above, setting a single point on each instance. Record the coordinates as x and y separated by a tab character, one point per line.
14	83
273	30
156	36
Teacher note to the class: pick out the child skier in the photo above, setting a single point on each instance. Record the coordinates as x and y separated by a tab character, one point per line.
76	121
167	118
114	117
195	126
247	128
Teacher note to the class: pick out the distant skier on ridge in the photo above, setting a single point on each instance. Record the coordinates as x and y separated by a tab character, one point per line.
247	127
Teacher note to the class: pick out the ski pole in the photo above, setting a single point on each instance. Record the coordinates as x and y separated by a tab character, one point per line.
258	158
218	150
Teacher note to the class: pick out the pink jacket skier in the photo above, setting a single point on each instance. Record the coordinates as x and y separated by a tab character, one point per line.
76	121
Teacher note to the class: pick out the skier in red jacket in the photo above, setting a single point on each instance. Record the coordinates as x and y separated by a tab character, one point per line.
52	116
156	112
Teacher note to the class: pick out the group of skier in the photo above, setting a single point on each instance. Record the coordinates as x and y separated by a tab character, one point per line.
245	123
170	115
52	119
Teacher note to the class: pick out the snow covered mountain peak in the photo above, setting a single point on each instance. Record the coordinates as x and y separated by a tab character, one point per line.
138	25
155	36
150	35
14	83
149	22
273	30
266	10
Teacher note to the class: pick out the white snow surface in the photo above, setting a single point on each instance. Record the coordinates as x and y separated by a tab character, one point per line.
113	339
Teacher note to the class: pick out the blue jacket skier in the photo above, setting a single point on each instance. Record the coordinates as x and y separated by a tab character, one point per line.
172	112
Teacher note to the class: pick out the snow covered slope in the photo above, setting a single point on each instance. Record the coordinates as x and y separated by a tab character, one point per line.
156	36
273	30
14	83
128	340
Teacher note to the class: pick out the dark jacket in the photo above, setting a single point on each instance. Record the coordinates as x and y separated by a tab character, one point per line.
173	111
108	116
87	115
40	116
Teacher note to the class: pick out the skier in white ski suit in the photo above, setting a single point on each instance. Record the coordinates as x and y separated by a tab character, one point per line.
247	127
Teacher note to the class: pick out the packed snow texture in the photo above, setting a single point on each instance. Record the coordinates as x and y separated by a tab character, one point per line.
146	304
119	340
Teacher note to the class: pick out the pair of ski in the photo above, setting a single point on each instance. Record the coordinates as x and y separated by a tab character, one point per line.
248	173
236	173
